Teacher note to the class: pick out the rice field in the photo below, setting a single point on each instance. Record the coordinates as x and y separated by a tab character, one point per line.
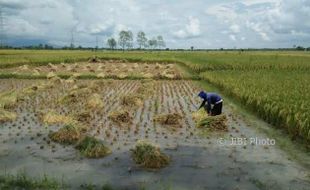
91	104
201	60
132	122
281	98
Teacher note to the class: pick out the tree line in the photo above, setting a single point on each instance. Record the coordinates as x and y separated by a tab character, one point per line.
126	41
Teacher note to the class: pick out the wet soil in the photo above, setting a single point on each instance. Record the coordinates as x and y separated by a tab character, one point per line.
199	159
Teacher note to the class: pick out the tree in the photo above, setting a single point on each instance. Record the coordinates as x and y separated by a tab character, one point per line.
141	40
300	48
112	43
153	43
125	39
160	42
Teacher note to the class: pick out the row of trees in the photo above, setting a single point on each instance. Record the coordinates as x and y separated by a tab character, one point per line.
125	40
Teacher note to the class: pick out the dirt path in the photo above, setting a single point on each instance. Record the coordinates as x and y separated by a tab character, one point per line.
199	160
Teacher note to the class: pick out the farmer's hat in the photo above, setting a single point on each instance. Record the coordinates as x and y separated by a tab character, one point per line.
202	94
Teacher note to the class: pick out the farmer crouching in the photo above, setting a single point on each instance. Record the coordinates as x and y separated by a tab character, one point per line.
212	103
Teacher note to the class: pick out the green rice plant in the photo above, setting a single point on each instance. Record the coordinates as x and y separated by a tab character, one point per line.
92	148
280	97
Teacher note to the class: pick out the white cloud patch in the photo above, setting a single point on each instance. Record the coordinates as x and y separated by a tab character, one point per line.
234	28
192	29
271	20
257	27
232	37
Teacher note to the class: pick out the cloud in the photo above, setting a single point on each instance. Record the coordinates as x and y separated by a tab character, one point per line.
271	20
12	4
242	15
199	23
235	28
257	27
232	37
192	29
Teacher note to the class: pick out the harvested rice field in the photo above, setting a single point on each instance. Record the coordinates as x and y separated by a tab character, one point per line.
135	134
101	69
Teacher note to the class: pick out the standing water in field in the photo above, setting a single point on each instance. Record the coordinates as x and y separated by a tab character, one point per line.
192	157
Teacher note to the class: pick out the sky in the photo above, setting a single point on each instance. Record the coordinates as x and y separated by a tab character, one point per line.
182	23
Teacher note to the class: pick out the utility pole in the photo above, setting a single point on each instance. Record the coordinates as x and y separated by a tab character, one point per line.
72	39
2	35
96	43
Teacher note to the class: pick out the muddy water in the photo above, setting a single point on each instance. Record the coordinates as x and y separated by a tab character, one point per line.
200	160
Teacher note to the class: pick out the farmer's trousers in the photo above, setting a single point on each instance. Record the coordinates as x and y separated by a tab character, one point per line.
216	110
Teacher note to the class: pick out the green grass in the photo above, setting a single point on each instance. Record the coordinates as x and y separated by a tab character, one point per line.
260	185
21	181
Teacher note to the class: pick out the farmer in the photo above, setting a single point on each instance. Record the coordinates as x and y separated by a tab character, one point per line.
212	103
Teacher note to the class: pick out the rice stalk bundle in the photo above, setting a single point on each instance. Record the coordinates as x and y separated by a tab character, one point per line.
6	116
94	102
8	99
213	123
122	75
92	148
50	75
24	68
121	117
131	100
149	156
171	119
69	134
52	117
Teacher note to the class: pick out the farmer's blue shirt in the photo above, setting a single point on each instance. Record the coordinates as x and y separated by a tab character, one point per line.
210	98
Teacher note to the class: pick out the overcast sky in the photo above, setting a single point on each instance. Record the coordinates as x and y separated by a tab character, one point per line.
182	23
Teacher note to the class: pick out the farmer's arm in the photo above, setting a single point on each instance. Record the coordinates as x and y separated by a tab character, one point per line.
202	104
209	105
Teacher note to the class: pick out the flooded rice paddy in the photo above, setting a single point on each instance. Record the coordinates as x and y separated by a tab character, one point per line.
200	159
